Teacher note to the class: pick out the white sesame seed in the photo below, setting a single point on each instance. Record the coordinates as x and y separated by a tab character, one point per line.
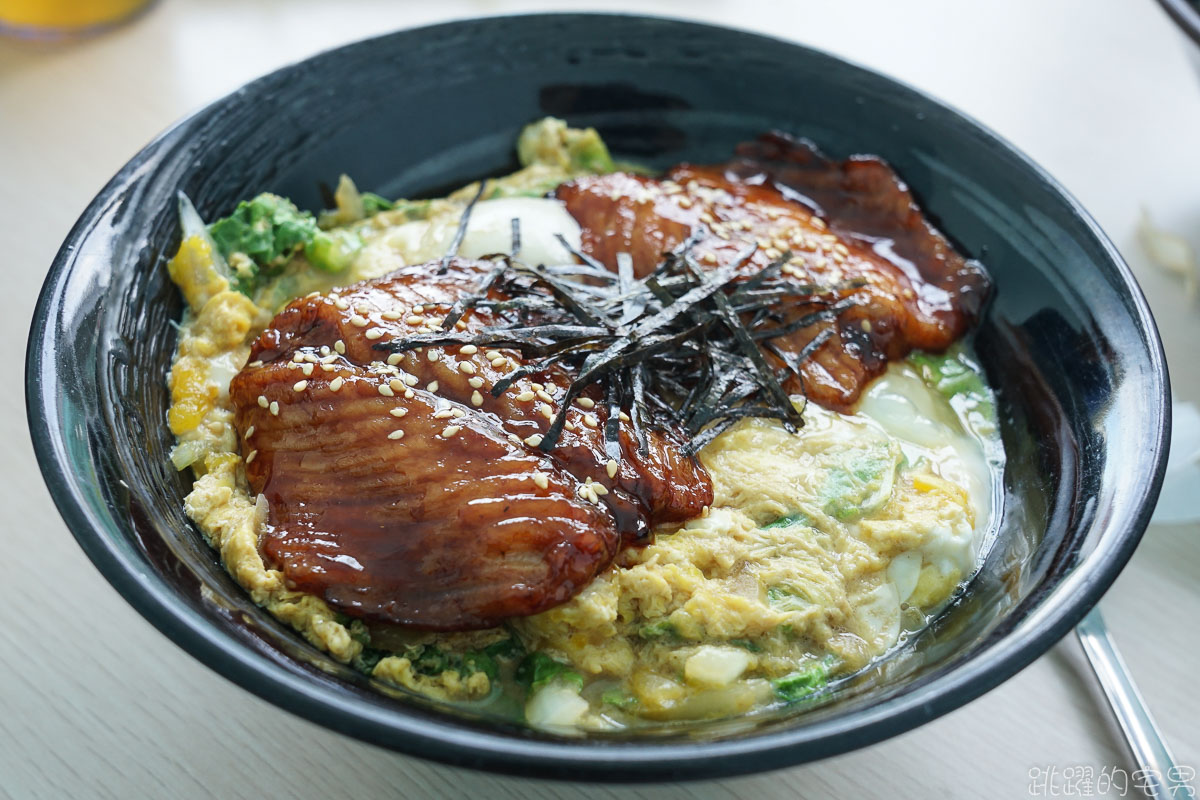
442	414
546	411
461	324
342	305
623	417
541	393
586	402
250	457
492	355
525	397
611	467
274	409
413	319
512	437
255	364
498	362
391	316
360	321
396	385
418	309
408	394
396	434
395	358
374	334
600	489
541	480
431	355
457	413
591	421
476	398
468	349
537	387
570	426
299	386
336	383
432	386
466	367
476	382
398	412
450	430
534	440
386	390
262	400
306	369
339	346
249	431
409	380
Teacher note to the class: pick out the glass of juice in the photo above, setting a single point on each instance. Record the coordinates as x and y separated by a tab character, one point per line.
57	19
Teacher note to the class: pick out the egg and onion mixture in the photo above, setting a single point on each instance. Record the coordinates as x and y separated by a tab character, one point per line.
821	550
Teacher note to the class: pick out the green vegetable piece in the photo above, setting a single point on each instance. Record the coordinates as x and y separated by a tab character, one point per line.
333	251
587	152
480	662
269	229
791	519
551	142
506	649
618	698
848	489
747	644
428	659
365	661
359	632
538	669
659	629
373	204
787	599
948	374
803	683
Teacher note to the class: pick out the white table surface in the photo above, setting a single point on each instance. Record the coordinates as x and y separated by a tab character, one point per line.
95	702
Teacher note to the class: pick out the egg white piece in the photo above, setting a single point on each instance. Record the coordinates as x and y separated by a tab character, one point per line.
489	230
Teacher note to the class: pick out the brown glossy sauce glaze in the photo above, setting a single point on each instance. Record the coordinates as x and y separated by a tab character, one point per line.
850	226
401	491
458	522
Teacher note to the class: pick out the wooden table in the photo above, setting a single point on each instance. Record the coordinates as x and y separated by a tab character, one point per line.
95	702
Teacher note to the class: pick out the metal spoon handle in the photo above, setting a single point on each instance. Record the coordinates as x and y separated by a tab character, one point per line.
1160	777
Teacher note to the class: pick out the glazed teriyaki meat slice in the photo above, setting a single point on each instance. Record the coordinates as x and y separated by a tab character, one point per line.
400	489
850	227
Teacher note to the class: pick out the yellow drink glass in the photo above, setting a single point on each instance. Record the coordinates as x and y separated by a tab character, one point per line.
51	19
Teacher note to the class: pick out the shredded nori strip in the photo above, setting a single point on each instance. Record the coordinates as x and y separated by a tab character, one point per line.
682	350
461	232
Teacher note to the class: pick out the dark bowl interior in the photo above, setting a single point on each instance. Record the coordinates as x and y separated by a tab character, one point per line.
1068	343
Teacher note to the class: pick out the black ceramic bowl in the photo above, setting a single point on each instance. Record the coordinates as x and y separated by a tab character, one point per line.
1068	343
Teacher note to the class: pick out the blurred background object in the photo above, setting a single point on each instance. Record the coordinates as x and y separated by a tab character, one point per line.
1186	15
57	19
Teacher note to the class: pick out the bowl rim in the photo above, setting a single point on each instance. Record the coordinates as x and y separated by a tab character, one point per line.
402	728
1186	16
